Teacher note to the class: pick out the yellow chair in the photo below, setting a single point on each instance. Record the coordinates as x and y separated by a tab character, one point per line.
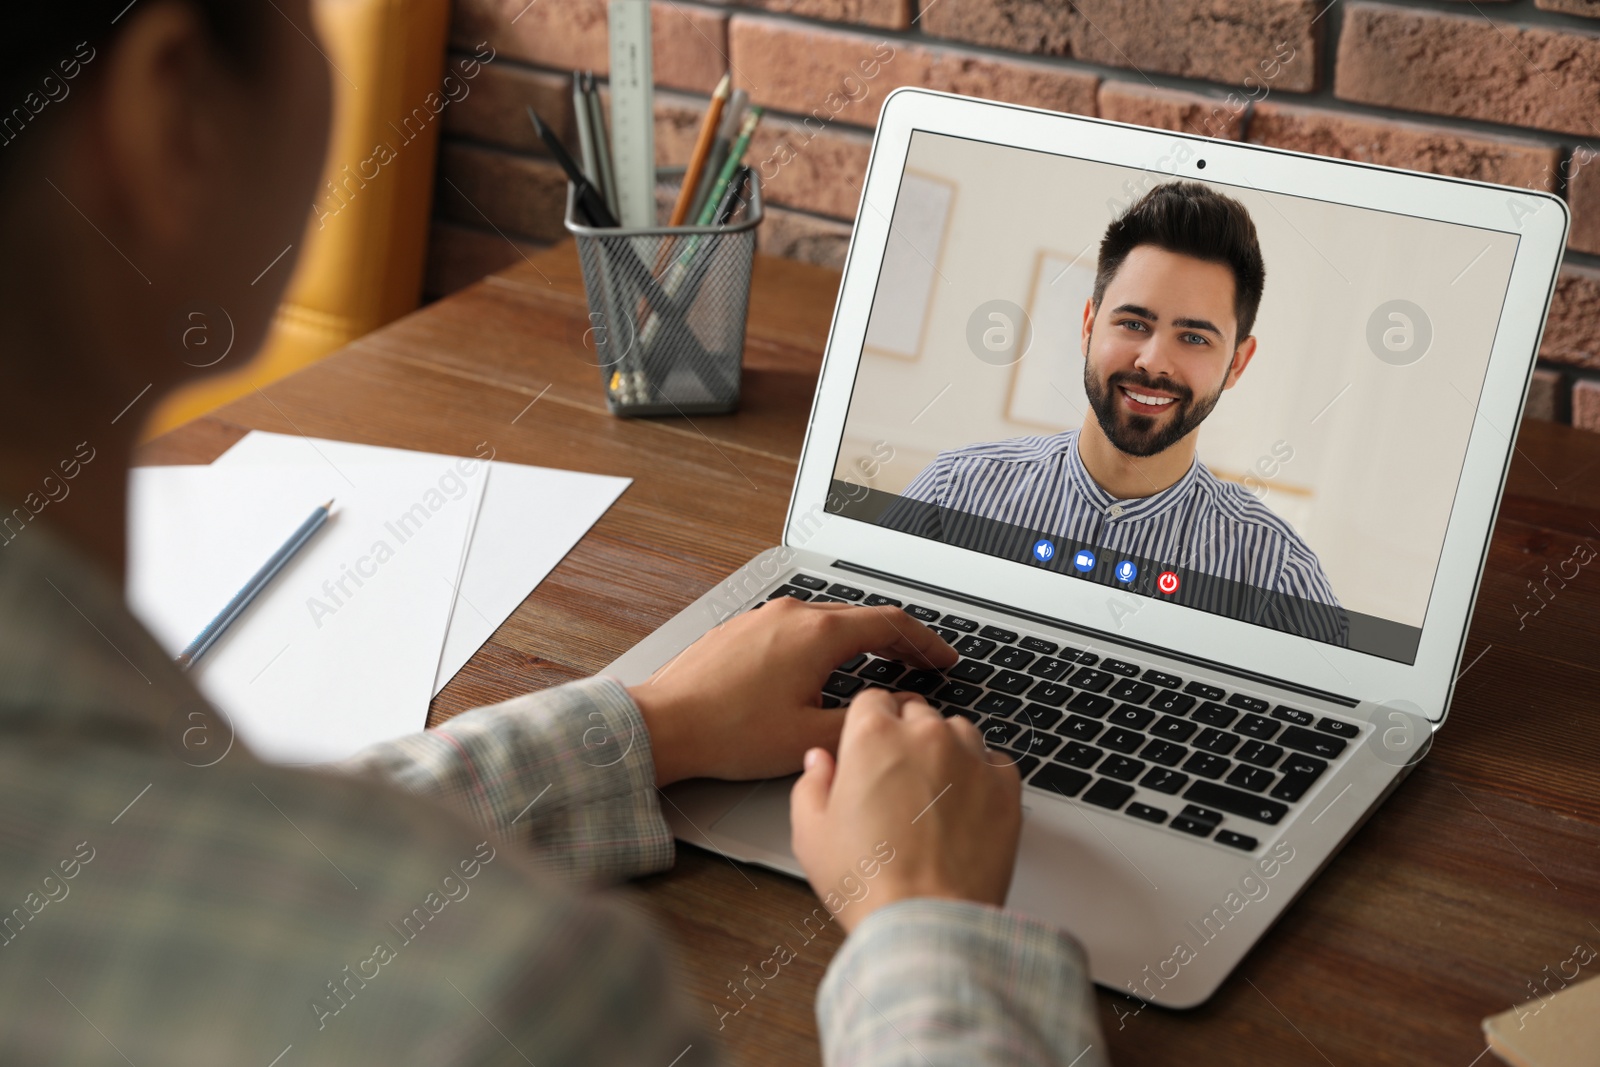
362	258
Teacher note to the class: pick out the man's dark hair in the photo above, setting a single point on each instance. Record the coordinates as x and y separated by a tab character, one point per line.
1190	219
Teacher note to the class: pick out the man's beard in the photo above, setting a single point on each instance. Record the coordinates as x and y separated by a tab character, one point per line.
1144	435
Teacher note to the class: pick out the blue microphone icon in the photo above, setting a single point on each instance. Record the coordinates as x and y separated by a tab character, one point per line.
1126	571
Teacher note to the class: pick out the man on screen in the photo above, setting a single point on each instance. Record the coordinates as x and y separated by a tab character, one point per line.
1165	333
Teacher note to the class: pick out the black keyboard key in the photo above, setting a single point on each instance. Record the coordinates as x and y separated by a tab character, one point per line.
1236	802
1173	729
1258	727
1079	727
1337	728
994	633
1039	645
807	581
1035	743
1217	741
1131	691
1260	754
1088	659
997	704
1079	755
1195	811
831	702
1134	718
1025	765
1311	743
1165	681
947	635
875	599
1108	794
1146	812
1122	768
1171	702
1299	772
1214	714
1294	715
1092	680
853	662
1120	740
1252	778
1164	752
920	681
922	614
1049	668
789	590
1206	765
846	592
1117	666
1190	825
1010	682
996	732
820	599
959	693
842	685
966	713
1164	781
1012	658
1203	691
1239	700
970	670
1091	704
1037	716
1050	693
882	670
956	622
1054	778
1228	837
976	647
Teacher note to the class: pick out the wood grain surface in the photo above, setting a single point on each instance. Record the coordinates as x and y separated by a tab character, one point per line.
1479	873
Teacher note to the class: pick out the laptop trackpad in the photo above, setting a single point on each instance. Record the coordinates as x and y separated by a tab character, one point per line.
760	822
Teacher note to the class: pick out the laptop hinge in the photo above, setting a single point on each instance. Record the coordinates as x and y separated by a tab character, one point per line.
1089	631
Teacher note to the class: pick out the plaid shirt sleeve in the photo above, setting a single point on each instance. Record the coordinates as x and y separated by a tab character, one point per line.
931	981
568	771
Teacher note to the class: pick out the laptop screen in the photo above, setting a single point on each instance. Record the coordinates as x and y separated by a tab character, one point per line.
1248	403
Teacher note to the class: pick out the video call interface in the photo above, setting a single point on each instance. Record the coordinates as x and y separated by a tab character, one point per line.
1250	404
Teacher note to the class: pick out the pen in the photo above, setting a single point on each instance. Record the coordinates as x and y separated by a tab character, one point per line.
590	202
259	581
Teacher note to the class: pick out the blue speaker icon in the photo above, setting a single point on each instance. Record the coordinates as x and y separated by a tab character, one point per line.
1044	551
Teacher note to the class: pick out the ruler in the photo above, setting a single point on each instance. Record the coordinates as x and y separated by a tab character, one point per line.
633	151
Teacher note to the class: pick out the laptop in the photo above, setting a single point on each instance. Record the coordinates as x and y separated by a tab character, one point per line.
1207	686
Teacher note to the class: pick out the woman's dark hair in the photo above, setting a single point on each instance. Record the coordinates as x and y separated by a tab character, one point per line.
49	43
1190	219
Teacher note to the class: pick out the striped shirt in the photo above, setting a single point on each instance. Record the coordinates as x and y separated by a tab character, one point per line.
1200	523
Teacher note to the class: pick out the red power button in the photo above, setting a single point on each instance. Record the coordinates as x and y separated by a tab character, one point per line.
1167	582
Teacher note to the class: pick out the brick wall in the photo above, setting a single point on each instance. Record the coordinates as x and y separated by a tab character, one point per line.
1499	91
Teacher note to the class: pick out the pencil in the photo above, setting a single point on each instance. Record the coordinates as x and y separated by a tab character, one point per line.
258	581
697	159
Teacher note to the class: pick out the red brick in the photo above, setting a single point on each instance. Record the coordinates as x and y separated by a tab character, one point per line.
1223	40
1416	146
1572	334
519	196
1583	197
1170	109
495	107
795	235
460	255
1586	405
1587	8
1467	66
837	75
688	44
886	14
1546	396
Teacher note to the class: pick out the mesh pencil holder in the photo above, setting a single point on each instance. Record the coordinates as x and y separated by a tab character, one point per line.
667	305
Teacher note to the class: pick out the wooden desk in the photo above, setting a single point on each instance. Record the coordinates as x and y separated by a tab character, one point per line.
1479	873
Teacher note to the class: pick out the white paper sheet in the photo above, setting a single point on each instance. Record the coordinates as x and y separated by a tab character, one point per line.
341	649
530	519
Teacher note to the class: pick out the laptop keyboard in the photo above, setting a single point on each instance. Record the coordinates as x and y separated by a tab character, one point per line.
1106	731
